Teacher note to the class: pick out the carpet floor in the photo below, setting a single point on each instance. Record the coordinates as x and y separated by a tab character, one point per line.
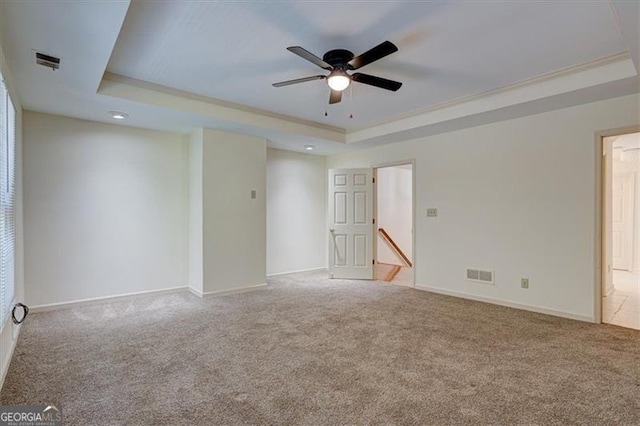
311	351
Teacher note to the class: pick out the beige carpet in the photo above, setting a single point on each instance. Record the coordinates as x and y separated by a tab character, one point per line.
312	351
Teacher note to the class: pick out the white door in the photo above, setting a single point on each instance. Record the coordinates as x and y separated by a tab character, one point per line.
351	223
622	216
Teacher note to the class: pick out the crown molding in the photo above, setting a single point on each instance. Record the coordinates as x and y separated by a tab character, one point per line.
601	71
154	94
571	79
627	16
622	56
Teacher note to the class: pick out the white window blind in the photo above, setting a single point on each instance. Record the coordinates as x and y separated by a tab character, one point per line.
7	198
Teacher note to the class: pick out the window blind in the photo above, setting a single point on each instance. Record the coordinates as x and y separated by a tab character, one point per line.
7	201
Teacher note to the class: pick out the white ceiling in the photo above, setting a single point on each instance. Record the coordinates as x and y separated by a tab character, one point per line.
181	65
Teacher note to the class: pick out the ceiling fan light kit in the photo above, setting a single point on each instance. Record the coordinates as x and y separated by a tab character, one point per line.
338	62
338	80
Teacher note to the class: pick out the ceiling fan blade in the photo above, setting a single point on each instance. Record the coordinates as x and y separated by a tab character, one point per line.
335	97
380	51
305	54
299	80
372	80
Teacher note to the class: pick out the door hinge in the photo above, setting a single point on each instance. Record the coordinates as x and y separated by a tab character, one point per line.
373	261
374	180
374	220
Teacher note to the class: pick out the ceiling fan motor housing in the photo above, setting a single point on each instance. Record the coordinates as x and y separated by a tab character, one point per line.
338	58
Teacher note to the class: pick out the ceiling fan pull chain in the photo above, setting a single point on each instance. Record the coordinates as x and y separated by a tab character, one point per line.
351	101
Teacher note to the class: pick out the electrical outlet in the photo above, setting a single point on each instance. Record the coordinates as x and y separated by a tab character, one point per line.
524	283
431	212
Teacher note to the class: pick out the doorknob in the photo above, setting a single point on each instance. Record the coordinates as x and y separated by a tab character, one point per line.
332	230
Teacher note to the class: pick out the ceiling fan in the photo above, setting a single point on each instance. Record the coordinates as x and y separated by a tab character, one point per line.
338	62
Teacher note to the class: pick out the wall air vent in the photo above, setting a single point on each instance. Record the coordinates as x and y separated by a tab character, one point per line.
47	61
480	275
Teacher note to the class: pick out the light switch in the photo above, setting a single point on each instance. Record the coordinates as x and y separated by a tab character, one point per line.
253	193
431	212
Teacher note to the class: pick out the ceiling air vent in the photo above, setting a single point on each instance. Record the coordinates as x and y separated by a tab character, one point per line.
47	61
480	275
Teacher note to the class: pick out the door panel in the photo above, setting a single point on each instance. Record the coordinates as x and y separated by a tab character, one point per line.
340	249
360	208
622	218
360	250
340	208
351	223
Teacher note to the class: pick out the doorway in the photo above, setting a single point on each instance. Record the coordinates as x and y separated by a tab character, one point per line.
394	213
621	231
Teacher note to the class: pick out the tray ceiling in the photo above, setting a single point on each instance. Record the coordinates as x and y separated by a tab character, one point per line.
179	65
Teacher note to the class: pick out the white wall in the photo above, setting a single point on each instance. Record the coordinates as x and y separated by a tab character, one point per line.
105	209
8	331
394	187
296	212
234	237
518	197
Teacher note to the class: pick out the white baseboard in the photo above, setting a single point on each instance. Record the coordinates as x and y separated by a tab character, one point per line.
237	290
98	300
297	271
195	291
506	303
9	355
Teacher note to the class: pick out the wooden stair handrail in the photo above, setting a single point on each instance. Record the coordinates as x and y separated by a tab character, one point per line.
397	249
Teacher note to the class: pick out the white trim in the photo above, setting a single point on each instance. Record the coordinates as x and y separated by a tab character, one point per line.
195	291
297	271
237	290
98	300
581	76
601	71
599	261
155	94
531	81
7	360
506	303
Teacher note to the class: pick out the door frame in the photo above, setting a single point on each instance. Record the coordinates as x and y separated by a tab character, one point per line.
375	167
600	205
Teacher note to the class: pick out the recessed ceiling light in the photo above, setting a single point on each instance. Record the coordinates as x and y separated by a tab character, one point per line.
309	147
117	115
